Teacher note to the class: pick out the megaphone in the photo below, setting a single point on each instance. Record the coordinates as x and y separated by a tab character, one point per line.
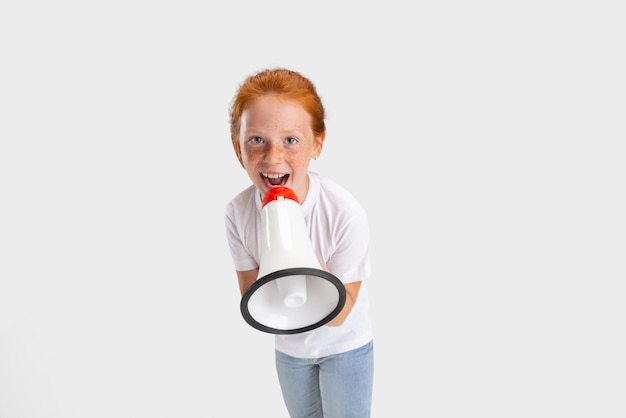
292	292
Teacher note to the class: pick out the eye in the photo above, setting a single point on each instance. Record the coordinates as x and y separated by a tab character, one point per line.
256	140
291	141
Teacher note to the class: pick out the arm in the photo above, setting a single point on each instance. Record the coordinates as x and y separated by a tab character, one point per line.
246	278
352	291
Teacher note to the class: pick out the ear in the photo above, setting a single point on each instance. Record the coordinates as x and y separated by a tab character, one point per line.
318	145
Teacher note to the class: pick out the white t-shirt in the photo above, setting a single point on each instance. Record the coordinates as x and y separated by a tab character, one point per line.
339	233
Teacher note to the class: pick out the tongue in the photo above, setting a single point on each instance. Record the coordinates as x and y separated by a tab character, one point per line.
276	182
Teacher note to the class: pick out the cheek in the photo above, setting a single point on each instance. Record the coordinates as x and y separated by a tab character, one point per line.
245	160
246	155
303	160
248	163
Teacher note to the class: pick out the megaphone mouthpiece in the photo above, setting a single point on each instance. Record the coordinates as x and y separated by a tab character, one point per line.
276	193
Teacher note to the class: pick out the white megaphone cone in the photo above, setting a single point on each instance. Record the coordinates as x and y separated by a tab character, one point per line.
292	293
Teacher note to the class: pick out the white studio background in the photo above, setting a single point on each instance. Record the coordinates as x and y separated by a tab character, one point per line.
485	140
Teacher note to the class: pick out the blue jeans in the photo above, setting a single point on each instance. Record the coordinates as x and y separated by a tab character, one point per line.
336	386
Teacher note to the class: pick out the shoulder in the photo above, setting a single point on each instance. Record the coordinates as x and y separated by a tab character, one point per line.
244	201
334	198
334	193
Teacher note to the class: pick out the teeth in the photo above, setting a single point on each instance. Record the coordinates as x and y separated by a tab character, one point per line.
273	176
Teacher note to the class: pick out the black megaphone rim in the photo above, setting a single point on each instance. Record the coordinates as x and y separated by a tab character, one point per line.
297	271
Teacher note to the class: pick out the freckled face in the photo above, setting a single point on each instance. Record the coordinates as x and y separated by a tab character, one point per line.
277	144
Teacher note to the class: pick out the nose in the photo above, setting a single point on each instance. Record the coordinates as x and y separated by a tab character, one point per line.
273	153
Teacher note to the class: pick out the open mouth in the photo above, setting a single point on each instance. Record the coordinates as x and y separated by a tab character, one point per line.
275	179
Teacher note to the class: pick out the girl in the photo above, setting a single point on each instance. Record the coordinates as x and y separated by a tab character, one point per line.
277	126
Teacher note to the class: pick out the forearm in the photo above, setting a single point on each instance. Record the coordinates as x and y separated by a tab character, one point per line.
246	278
352	292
